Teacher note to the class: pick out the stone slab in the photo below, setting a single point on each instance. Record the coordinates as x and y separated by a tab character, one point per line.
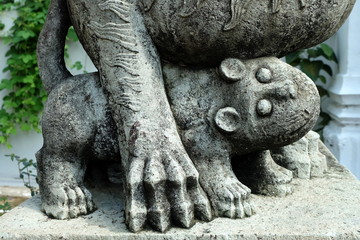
320	208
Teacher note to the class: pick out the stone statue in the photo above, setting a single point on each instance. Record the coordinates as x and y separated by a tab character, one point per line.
175	103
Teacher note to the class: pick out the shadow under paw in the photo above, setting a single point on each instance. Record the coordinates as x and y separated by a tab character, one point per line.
263	176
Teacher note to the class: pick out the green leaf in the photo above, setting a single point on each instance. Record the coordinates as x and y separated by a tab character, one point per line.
327	69
25	127
314	53
311	68
77	65
25	34
322	79
27	58
328	51
72	35
293	57
322	91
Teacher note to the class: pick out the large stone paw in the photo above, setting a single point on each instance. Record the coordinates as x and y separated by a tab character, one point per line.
162	187
66	202
305	158
229	197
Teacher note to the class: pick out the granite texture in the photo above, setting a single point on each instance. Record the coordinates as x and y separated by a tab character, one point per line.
320	208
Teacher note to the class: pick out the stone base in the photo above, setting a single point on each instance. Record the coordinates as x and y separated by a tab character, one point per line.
321	208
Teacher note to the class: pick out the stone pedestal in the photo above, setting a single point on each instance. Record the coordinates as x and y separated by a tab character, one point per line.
342	136
320	208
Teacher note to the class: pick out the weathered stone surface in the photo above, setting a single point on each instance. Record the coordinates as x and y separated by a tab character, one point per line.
320	208
243	107
216	30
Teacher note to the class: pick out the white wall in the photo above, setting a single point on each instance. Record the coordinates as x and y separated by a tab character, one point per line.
342	136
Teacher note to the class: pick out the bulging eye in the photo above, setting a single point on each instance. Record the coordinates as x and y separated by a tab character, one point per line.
264	75
264	107
232	70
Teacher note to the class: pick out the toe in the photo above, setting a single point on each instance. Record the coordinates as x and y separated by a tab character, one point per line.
248	208
155	188
135	208
81	201
182	207
226	204
72	203
56	204
90	206
202	207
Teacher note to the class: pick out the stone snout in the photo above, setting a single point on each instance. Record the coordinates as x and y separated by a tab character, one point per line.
273	104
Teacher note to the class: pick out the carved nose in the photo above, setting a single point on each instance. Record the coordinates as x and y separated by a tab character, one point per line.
286	90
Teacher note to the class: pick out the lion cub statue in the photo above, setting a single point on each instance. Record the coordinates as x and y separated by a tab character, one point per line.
242	111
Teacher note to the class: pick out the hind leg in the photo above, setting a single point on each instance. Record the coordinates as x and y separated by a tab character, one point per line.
67	130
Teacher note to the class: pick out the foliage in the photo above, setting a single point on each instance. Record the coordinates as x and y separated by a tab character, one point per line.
27	170
313	62
24	94
4	205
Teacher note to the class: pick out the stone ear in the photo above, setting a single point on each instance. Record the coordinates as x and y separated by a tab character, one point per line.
232	70
227	119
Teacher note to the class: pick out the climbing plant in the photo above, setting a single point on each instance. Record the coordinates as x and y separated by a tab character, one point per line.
4	205
24	94
27	172
314	63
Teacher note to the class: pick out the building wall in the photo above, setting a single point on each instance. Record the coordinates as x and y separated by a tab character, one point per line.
342	135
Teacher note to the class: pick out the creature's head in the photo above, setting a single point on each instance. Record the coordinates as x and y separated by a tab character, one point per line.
271	104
